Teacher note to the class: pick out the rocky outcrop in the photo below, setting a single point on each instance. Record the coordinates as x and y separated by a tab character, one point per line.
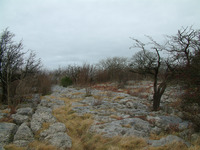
116	115
56	133
42	114
7	131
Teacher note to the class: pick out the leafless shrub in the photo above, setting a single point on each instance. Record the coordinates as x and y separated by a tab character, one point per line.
88	91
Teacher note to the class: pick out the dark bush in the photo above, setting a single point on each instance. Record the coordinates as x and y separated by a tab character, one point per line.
66	81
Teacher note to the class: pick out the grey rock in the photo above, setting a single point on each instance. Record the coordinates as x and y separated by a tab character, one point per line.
19	119
52	103
53	129
136	105
129	105
139	128
137	123
60	140
167	140
76	104
23	135
183	125
186	133
21	143
25	111
2	115
165	121
82	109
156	130
1	148
195	136
7	131
42	114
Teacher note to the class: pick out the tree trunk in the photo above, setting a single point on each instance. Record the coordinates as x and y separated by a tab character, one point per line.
4	93
156	101
158	94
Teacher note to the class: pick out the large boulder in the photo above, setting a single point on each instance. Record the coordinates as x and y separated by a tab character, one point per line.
7	131
23	136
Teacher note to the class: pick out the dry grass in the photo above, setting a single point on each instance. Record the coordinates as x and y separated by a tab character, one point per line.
77	93
13	147
6	119
37	145
45	126
82	139
116	117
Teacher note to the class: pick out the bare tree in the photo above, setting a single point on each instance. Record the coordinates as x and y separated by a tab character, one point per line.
115	67
184	46
13	66
151	63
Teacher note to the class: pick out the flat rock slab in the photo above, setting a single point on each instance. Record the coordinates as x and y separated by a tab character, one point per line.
7	131
167	140
126	127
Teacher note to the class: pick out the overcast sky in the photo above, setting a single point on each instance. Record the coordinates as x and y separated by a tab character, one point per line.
63	32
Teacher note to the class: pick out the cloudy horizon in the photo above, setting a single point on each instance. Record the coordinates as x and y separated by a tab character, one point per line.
77	31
